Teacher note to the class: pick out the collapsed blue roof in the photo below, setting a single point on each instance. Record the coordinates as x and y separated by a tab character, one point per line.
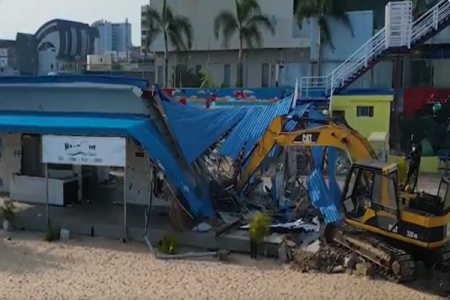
197	129
252	127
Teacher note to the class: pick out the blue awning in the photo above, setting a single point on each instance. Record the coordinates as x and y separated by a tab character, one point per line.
141	129
73	79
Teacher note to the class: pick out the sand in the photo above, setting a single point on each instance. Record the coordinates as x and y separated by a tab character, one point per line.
95	268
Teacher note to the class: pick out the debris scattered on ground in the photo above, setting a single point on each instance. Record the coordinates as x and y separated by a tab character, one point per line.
326	259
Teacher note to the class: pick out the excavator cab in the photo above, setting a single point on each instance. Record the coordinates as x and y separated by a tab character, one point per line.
371	187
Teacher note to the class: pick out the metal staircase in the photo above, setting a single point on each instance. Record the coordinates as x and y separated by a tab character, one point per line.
398	36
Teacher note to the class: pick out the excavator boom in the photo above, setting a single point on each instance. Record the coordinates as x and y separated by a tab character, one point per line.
329	134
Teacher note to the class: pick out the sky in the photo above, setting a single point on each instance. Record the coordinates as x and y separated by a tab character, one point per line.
28	15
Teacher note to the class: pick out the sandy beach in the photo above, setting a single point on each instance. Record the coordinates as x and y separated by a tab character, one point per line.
95	268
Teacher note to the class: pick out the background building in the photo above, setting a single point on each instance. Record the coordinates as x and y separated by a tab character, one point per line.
8	62
58	45
113	37
289	54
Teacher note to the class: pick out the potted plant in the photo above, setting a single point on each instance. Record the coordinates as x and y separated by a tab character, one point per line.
259	227
7	210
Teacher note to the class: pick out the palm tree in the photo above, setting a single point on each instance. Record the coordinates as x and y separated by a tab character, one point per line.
246	21
175	29
323	11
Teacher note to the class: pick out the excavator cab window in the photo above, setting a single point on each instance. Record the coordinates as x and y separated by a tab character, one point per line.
444	194
365	187
358	191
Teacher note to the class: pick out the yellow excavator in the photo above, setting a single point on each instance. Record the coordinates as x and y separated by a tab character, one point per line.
391	229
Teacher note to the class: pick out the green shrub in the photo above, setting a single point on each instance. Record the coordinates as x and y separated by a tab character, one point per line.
7	210
52	234
259	226
169	245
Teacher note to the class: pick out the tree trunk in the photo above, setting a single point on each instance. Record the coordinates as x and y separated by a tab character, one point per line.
320	61
240	73
166	61
320	57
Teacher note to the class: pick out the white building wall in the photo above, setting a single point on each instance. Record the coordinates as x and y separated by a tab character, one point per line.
137	165
296	63
10	158
138	168
201	13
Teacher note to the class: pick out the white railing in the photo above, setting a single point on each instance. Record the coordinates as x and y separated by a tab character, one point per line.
399	32
358	60
315	85
430	20
398	22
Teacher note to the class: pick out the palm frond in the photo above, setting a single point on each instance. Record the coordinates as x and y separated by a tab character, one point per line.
246	9
154	26
323	11
153	17
306	10
262	21
181	27
325	32
225	25
337	9
176	40
252	36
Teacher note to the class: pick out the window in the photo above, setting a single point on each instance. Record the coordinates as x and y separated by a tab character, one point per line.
51	66
227	75
339	114
351	183
265	75
376	189
160	75
392	190
198	68
364	111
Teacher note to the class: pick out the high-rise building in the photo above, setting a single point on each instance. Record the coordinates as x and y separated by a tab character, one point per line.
114	37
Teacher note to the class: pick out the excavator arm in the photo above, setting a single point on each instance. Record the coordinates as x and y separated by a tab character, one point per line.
329	134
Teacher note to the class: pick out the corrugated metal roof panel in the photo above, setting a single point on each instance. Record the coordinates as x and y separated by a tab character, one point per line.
320	197
197	202
197	129
252	127
330	214
299	111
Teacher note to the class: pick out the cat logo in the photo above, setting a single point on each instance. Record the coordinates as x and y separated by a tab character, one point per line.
307	138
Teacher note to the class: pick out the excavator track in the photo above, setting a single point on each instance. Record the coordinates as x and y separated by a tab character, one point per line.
444	264
392	263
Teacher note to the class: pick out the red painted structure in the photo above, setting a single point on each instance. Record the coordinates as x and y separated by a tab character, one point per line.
418	98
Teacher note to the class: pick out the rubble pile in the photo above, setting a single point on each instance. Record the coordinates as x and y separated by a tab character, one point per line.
326	259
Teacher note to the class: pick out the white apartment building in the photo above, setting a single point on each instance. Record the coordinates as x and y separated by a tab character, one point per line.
114	37
289	54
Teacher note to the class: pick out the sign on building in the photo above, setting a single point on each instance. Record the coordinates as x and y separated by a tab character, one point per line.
76	150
